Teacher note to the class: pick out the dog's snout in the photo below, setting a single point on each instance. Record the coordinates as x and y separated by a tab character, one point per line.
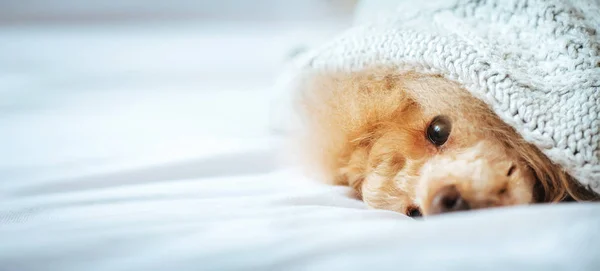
448	199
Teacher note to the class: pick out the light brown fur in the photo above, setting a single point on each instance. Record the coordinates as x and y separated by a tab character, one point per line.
367	130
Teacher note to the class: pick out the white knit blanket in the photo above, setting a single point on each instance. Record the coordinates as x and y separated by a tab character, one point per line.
536	63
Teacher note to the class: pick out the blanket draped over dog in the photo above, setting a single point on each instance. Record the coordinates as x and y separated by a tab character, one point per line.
535	63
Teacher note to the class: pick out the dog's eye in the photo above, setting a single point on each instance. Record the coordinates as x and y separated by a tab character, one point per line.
413	211
439	130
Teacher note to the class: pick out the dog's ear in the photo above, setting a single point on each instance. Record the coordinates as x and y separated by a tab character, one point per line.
577	192
555	185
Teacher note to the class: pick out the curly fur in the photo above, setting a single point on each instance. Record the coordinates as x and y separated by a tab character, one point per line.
367	130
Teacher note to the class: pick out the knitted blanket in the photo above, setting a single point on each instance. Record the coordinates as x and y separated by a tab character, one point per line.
535	63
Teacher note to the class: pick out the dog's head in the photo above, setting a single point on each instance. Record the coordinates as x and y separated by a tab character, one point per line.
421	144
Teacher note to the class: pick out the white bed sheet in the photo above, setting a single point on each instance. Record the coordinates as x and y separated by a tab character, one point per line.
148	148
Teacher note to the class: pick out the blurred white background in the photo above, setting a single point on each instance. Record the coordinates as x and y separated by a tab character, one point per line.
86	85
20	11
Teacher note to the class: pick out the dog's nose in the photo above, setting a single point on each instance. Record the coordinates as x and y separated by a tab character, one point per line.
448	199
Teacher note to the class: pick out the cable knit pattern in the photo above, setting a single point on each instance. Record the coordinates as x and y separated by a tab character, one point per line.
536	63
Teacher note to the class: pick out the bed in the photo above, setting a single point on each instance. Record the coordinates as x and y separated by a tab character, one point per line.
149	147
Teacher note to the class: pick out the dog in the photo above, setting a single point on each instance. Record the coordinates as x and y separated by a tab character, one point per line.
421	145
